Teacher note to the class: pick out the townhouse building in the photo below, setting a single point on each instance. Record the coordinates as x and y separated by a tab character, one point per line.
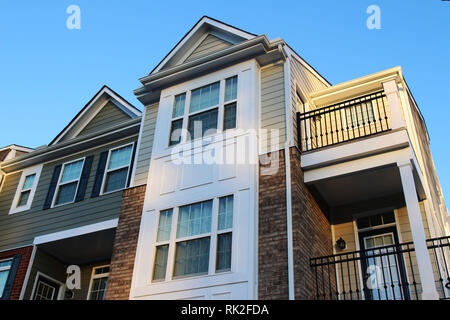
246	176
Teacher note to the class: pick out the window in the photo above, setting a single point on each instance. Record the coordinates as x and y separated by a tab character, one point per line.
68	182
192	238
5	267
118	165
206	104
26	189
45	288
99	281
376	220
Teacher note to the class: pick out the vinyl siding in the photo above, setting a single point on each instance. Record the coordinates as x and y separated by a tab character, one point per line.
305	81
209	45
145	148
273	116
110	115
21	228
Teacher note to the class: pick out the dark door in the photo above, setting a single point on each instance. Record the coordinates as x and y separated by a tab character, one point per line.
46	289
382	265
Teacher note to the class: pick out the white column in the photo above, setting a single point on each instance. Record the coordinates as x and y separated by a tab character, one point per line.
394	104
418	232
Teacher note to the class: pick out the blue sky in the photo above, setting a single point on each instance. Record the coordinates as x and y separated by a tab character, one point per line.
48	72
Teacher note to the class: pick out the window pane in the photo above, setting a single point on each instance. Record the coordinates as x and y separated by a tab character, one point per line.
4	264
165	223
194	219
24	195
231	89
363	222
72	171
98	288
204	97
120	157
225	213
202	122
175	132
66	193
192	257
102	270
229	118
28	183
3	279
375	220
223	259
178	108
116	180
159	272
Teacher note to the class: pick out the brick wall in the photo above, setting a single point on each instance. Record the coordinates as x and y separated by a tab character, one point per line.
125	243
311	232
25	253
272	237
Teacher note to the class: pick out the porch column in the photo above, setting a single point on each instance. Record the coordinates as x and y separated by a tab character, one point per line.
395	106
418	232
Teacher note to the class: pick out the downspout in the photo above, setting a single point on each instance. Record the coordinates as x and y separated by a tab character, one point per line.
288	143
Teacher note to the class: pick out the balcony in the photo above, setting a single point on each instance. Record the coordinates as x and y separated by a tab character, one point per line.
382	273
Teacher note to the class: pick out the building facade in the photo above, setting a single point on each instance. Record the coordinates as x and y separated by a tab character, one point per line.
246	176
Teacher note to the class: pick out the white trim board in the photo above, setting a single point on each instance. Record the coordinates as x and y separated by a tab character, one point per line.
109	224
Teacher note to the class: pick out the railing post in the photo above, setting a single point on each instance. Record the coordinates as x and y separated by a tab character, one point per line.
394	104
418	232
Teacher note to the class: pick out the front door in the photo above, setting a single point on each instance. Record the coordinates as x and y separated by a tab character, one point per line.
383	268
46	289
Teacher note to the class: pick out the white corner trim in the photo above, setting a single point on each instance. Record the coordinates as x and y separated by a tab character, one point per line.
29	171
138	144
27	275
109	224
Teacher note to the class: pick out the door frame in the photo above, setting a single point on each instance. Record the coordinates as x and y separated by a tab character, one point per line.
40	274
401	264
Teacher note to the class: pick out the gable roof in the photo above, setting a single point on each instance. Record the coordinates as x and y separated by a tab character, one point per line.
91	109
12	151
191	40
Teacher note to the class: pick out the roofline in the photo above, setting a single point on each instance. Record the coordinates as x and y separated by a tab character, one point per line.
103	89
190	30
17	147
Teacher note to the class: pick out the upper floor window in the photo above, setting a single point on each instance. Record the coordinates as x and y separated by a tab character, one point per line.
5	267
196	244
68	182
117	168
206	105
26	189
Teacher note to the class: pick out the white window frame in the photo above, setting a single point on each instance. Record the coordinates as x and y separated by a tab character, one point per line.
67	182
6	269
220	106
96	276
115	169
213	235
36	170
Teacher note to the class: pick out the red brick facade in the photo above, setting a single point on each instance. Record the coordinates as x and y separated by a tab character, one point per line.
125	243
311	232
25	253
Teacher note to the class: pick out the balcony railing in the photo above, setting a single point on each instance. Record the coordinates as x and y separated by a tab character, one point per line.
344	121
381	273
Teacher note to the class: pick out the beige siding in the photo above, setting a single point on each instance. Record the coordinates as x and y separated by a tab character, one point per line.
304	80
145	148
209	45
110	115
273	116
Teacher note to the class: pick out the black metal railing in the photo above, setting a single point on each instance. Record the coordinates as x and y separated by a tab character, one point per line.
381	273
344	121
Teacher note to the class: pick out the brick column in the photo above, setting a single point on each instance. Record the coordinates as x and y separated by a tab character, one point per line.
125	243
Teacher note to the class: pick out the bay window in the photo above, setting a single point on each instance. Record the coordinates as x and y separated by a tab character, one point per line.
185	244
206	104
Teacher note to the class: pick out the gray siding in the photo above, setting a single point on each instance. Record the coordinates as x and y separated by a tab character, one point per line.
304	80
145	148
209	45
273	116
21	228
109	116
